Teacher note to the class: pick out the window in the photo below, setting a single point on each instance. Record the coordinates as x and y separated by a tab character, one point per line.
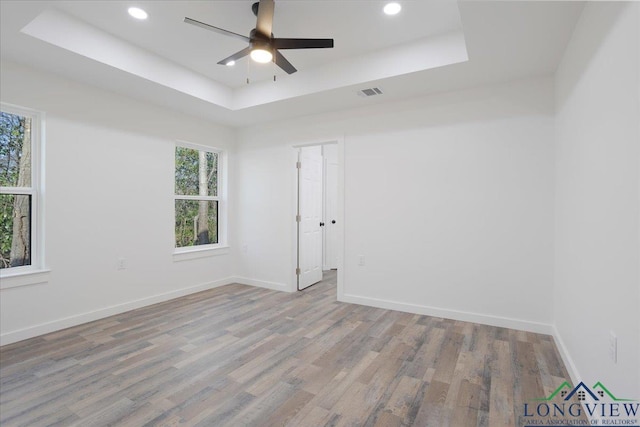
19	195
197	197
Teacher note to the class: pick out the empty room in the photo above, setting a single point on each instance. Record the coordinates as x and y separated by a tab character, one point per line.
319	213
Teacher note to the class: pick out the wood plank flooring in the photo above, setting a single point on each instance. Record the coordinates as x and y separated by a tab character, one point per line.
243	356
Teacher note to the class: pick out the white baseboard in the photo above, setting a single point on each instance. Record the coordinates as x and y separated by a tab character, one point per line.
67	322
566	357
572	370
263	284
485	319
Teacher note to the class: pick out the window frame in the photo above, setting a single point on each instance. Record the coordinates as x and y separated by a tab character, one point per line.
198	251
36	191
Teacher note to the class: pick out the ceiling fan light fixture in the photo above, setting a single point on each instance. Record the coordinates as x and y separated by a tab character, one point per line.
392	8
261	55
137	13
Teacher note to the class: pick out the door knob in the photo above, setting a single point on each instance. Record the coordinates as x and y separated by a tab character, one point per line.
322	224
333	221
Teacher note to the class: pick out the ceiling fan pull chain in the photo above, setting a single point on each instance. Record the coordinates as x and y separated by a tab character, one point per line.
248	71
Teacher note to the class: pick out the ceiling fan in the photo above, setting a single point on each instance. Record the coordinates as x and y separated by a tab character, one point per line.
263	47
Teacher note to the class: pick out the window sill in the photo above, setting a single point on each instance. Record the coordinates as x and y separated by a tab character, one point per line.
23	278
197	253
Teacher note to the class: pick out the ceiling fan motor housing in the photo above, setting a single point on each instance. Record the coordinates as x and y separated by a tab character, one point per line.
258	40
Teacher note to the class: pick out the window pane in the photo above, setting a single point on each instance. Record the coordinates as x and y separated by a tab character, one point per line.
196	222
15	150
15	230
196	172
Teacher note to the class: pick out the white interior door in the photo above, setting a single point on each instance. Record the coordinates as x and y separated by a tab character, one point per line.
330	154
310	215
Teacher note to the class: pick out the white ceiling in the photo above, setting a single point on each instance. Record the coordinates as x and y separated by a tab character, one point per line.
422	50
165	33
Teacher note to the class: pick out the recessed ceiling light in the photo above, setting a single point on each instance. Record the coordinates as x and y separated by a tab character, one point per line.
230	63
392	8
137	13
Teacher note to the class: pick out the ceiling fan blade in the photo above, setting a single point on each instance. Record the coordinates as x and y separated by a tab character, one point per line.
302	43
264	23
216	29
282	62
244	52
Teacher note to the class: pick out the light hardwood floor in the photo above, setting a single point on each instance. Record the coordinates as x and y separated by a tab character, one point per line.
237	355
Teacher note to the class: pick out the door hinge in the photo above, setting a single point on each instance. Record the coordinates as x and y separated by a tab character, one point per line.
298	218
298	165
297	271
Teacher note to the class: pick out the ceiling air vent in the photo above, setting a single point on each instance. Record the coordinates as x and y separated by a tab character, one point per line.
370	92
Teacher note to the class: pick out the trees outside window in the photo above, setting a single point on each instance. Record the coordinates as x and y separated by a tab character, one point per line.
197	203
18	187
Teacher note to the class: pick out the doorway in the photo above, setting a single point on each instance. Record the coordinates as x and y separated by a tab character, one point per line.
317	227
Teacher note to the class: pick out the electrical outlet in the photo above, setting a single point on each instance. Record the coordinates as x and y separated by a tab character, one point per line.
613	347
122	264
360	260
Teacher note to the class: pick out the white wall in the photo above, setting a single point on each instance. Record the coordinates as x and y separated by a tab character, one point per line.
597	284
109	188
449	198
